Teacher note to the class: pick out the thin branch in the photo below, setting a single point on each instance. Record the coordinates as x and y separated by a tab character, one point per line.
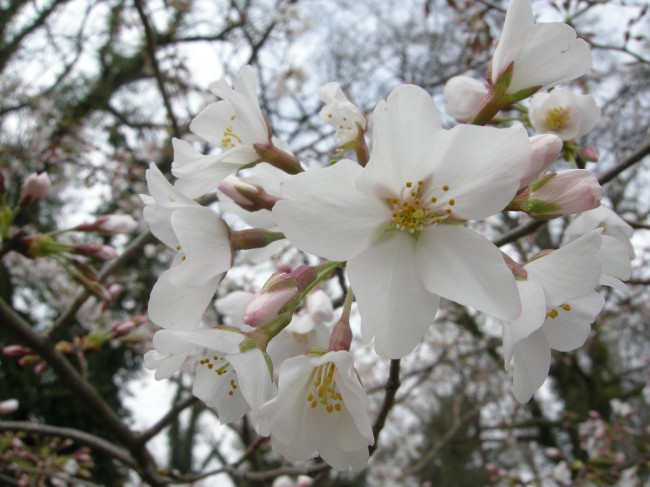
66	318
446	438
632	159
82	437
163	422
151	51
392	384
69	376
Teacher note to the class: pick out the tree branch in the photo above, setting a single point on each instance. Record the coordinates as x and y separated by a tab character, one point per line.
392	384
81	437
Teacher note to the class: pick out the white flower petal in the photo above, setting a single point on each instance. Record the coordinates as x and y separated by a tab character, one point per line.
213	389
570	329
205	243
570	272
483	167
323	212
179	307
533	313
463	266
395	307
254	377
531	363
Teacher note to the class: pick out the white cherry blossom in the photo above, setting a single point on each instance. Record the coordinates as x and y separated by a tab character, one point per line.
397	221
558	305
341	113
183	292
566	114
321	409
231	381
543	54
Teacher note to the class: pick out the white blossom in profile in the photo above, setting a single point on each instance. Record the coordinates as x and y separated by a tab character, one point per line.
558	305
565	114
542	54
343	115
321	409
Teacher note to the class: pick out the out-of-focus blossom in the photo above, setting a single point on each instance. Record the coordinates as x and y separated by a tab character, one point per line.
34	189
463	96
339	112
563	113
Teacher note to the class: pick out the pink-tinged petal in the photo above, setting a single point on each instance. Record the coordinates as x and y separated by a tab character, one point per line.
204	243
179	307
395	307
531	363
323	212
569	272
533	313
483	167
463	266
254	378
570	329
404	139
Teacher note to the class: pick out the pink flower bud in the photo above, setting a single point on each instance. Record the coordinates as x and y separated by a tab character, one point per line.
8	406
124	327
34	189
114	224
96	251
544	150
15	351
319	306
235	189
564	193
266	305
283	267
341	337
463	96
249	197
589	154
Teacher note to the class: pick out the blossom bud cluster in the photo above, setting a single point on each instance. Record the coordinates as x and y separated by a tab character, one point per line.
393	223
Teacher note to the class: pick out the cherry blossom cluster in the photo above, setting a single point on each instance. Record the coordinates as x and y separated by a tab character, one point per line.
395	219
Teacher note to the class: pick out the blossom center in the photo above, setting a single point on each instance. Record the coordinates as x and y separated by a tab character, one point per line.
221	367
323	390
418	207
229	138
557	118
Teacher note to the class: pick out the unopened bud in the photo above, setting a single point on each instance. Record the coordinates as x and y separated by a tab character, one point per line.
41	246
15	351
565	193
124	327
8	406
319	306
250	197
266	305
545	149
463	96
34	189
96	251
278	158
589	154
110	225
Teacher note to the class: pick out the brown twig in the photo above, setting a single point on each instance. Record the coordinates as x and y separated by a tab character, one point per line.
392	384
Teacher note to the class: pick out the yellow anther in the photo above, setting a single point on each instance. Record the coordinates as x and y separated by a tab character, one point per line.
452	202
184	258
448	211
230	393
409	184
445	188
232	117
313	404
566	307
552	314
178	247
337	406
434	199
329	408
